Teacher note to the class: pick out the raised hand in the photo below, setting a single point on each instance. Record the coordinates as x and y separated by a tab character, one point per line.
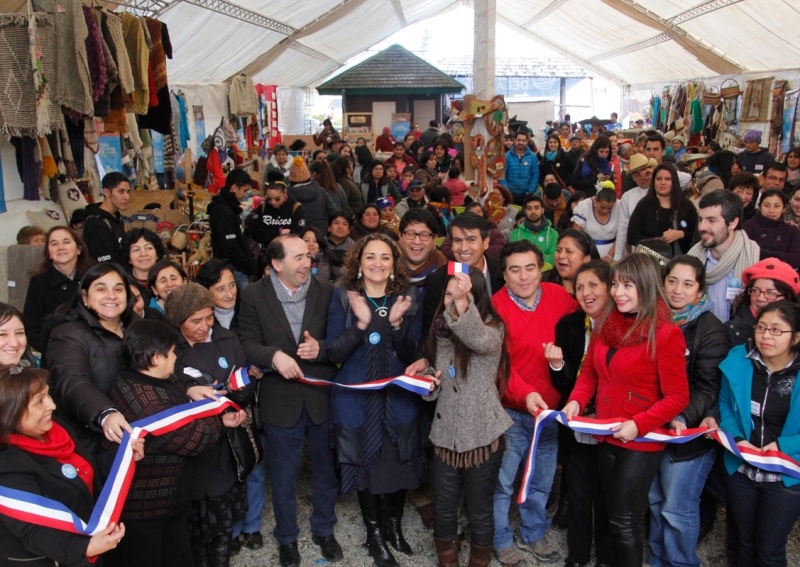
309	348
361	311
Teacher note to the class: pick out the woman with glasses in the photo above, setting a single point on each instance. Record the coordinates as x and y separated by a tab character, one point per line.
765	282
757	406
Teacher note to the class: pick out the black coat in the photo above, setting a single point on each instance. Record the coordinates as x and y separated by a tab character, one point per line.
23	543
436	284
740	327
227	239
264	330
570	161
45	293
571	338
216	473
707	346
102	233
648	221
82	358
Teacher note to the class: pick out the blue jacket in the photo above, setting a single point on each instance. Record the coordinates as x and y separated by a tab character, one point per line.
734	409
522	173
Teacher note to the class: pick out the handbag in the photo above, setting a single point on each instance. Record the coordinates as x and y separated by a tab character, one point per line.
731	91
245	446
711	96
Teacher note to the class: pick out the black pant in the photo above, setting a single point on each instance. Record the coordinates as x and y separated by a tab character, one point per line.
625	479
477	485
154	543
585	497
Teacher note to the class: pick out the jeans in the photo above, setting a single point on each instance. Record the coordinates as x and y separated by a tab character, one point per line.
765	513
587	512
533	511
675	510
256	494
284	450
477	485
625	478
242	280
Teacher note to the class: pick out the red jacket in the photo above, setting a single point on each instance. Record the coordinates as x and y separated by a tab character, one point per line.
526	331
650	391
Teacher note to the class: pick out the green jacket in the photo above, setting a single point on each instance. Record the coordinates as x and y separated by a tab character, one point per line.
546	239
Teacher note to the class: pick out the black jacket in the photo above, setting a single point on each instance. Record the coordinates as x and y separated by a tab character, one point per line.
45	293
570	161
435	286
82	358
740	327
648	221
102	233
265	223
227	240
571	338
264	330
23	543
707	346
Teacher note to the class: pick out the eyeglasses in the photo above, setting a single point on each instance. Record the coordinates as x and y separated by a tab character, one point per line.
776	178
761	329
771	294
423	236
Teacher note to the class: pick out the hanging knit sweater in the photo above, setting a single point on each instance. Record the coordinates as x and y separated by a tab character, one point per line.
139	55
242	97
120	52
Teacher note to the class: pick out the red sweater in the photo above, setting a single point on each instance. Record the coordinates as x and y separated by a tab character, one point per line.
526	331
651	391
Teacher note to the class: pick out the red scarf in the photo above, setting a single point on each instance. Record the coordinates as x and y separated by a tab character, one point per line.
617	326
57	445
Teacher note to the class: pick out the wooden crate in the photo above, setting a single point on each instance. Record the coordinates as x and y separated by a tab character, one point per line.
142	197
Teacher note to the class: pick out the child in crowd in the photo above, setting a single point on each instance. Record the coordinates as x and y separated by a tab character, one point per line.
391	172
409	173
31	235
388	217
456	187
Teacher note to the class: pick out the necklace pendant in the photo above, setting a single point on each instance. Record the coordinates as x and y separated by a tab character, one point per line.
382	311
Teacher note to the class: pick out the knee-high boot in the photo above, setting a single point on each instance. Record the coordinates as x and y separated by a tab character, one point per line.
447	552
479	556
220	551
395	504
371	512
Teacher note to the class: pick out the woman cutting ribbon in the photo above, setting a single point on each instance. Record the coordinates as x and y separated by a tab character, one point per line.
40	457
374	327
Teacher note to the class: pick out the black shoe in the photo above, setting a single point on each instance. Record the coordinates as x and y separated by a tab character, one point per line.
288	555
330	548
395	506
253	540
236	545
561	519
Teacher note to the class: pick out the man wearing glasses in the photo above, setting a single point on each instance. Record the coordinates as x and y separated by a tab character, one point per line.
774	176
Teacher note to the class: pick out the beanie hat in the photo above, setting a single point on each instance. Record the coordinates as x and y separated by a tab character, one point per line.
752	136
185	300
772	269
298	172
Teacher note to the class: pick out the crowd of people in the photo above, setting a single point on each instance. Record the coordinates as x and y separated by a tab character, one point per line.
608	284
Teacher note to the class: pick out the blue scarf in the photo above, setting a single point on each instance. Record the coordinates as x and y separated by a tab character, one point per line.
691	312
602	167
551	156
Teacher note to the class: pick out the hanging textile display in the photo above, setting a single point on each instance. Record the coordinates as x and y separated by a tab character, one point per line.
199	128
776	120
242	97
2	190
29	109
139	54
757	96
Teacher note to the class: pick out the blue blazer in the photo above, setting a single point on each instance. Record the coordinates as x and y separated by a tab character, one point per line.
734	409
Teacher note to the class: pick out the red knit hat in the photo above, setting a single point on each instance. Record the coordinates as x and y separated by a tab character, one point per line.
773	269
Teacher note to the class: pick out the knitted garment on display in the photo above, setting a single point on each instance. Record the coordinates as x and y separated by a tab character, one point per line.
139	55
95	56
114	24
103	104
17	89
72	86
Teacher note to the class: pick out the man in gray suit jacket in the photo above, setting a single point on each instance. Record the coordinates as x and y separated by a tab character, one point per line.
283	322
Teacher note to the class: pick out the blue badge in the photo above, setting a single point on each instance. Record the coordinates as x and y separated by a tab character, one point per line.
223	362
451	371
735	282
374	338
69	471
314	271
683	224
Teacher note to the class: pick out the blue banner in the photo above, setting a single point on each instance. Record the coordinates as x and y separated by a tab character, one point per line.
158	151
109	154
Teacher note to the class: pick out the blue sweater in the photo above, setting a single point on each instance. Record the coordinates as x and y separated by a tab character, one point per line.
734	409
522	173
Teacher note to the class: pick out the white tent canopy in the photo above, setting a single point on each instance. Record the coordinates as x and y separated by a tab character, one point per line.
292	43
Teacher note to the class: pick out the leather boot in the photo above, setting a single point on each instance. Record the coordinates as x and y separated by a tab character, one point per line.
371	512
200	553
479	556
220	551
447	552
395	504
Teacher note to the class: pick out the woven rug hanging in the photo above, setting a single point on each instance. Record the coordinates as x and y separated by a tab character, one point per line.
26	74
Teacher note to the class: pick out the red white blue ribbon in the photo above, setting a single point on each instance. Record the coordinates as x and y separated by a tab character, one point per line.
42	511
239	378
415	384
771	461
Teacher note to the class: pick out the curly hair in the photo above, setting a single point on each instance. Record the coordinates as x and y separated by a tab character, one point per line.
352	265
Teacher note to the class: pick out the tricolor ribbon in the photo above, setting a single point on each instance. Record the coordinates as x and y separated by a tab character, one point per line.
770	461
239	378
42	511
415	384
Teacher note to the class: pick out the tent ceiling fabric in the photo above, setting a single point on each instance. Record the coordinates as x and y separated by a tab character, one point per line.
635	41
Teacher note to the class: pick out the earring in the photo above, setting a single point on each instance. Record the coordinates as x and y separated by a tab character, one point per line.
391	276
359	273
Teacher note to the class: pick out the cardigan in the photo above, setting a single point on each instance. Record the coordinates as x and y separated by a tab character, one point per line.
468	410
650	390
734	396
